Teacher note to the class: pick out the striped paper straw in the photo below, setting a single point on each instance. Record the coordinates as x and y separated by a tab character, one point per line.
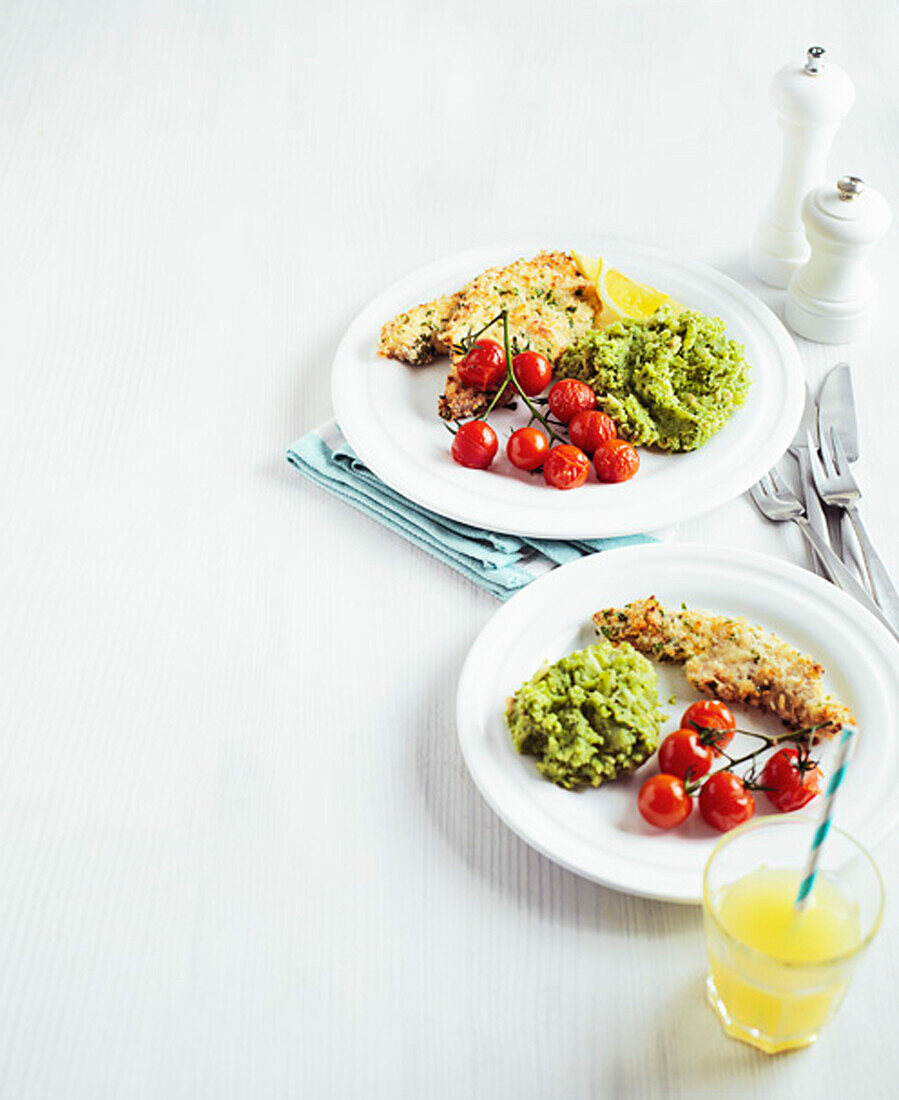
811	864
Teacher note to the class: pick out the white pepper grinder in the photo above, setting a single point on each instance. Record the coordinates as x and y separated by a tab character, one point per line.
830	298
811	100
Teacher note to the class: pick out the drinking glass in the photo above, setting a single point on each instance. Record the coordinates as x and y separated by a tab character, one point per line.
760	998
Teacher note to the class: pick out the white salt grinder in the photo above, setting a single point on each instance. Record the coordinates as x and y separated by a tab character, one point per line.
811	100
831	297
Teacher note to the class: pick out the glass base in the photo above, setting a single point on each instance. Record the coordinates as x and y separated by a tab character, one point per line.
753	1036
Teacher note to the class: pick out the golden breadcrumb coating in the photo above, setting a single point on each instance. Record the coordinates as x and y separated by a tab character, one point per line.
412	336
550	306
731	659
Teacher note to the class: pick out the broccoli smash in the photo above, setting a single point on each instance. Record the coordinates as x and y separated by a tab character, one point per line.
590	717
671	381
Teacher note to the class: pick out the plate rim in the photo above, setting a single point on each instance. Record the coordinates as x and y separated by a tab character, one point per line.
876	632
578	523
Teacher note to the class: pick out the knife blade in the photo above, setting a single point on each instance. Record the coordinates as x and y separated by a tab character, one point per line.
836	409
814	509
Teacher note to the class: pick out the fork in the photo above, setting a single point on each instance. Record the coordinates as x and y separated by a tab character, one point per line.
777	502
836	486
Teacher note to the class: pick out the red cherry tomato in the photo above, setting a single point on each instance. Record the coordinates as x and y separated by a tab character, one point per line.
533	371
709	715
566	467
791	780
570	396
484	366
664	802
475	444
724	801
527	448
683	754
616	460
590	428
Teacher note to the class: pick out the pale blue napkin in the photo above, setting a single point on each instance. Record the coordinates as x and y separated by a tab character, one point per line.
501	564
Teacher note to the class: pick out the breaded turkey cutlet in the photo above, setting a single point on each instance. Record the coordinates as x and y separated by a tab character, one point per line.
413	336
731	659
550	306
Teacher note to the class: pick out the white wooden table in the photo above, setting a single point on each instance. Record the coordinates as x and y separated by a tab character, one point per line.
240	855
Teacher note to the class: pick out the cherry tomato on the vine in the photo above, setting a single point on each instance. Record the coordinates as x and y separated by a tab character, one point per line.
533	371
664	802
475	444
570	396
711	714
484	366
683	754
527	448
590	428
566	467
724	801
616	460
791	780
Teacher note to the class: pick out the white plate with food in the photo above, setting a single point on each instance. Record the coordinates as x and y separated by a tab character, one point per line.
784	613
388	409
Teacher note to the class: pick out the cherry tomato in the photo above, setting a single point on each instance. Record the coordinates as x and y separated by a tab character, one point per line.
616	460
792	780
683	754
484	366
533	371
664	802
590	428
570	396
475	444
566	467
724	801
711	714
527	448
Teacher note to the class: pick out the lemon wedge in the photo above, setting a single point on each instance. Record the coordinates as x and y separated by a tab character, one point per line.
588	267
621	296
630	299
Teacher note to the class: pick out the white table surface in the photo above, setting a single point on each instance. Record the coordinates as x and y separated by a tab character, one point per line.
240	854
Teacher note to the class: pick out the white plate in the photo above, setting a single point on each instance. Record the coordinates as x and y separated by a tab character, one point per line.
599	833
388	411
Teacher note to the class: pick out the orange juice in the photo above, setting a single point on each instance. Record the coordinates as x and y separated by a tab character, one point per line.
777	975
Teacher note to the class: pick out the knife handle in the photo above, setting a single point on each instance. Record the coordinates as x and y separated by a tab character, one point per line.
813	506
882	587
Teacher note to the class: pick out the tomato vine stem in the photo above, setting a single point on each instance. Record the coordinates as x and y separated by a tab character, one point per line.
510	376
769	742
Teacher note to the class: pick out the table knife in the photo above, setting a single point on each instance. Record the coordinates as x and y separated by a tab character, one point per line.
799	450
836	409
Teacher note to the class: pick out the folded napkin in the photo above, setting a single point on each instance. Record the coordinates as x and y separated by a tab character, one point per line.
501	564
